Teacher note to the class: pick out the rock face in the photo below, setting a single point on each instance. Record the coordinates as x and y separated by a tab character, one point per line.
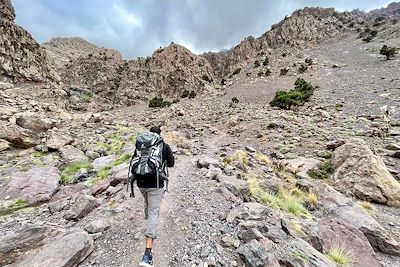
254	253
336	232
34	186
83	205
71	154
29	237
65	251
168	72
22	58
33	122
360	173
18	136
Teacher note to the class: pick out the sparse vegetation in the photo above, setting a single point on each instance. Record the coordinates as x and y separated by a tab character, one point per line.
284	71
259	135
308	61
388	51
185	94
207	79
67	174
10	206
256	64
340	255
302	68
267	72
323	171
272	125
295	97
159	102
235	100
367	206
237	71
192	94
266	61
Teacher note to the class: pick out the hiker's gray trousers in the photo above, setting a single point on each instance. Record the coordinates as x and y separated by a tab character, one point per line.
152	203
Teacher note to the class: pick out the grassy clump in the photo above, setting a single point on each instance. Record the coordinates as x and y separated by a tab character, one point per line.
387	51
367	206
284	71
237	71
235	100
159	102
67	174
192	94
119	139
295	97
266	61
185	94
308	61
256	64
10	206
267	72
323	171
302	68
340	255
207	79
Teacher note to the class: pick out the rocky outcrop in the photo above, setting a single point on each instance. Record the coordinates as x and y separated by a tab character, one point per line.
65	251
18	136
21	57
360	173
34	186
168	72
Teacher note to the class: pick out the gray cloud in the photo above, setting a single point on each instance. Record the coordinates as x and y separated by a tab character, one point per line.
138	27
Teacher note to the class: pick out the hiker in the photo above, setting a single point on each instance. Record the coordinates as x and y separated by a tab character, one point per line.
148	168
385	123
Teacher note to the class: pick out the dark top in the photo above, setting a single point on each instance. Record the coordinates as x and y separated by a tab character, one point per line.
150	181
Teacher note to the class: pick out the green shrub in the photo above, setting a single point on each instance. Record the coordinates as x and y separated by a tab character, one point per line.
185	94
308	61
256	64
159	102
322	172
295	97
302	68
261	73
272	125
367	39
373	33
387	51
284	71
235	100
177	100
266	61
237	71
206	78
340	255
259	135
192	94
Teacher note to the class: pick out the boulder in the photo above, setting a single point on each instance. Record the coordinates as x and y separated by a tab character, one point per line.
119	174
100	187
97	226
336	232
206	162
34	186
18	136
377	236
33	122
248	211
71	154
4	145
253	253
67	191
360	173
301	166
298	253
83	205
65	251
237	187
57	141
16	242
101	162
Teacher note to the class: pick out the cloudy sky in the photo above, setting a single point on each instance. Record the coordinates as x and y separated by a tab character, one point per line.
138	27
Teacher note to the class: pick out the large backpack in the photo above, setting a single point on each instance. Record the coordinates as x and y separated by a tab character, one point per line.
148	158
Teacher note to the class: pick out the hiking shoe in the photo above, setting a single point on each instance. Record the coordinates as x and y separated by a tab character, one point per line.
147	261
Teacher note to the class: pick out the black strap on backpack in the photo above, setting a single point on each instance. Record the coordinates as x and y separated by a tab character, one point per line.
131	179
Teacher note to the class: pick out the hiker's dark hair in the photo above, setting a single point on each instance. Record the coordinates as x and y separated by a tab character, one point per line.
155	129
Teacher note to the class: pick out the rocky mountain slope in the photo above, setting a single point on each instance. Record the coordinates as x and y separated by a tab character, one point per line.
22	58
254	185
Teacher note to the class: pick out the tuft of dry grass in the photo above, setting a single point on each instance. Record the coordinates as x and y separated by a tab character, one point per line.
367	206
177	139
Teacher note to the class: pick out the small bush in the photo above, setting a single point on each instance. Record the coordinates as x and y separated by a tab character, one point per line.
323	171
284	71
284	55
367	39
266	61
237	71
387	51
267	72
260	74
340	255
373	33
177	100
272	125
256	64
185	94
302	68
207	79
192	94
295	97
235	100
259	135
158	102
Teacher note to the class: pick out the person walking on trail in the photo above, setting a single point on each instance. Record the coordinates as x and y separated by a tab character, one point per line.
149	168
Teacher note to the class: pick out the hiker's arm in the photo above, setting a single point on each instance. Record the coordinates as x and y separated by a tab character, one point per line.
169	156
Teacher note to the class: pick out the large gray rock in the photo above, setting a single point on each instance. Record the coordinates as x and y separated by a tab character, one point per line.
17	242
57	141
377	236
119	174
33	122
81	207
253	253
36	185
237	187
248	211
71	154
97	226
17	136
334	230
360	173
65	251
101	162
